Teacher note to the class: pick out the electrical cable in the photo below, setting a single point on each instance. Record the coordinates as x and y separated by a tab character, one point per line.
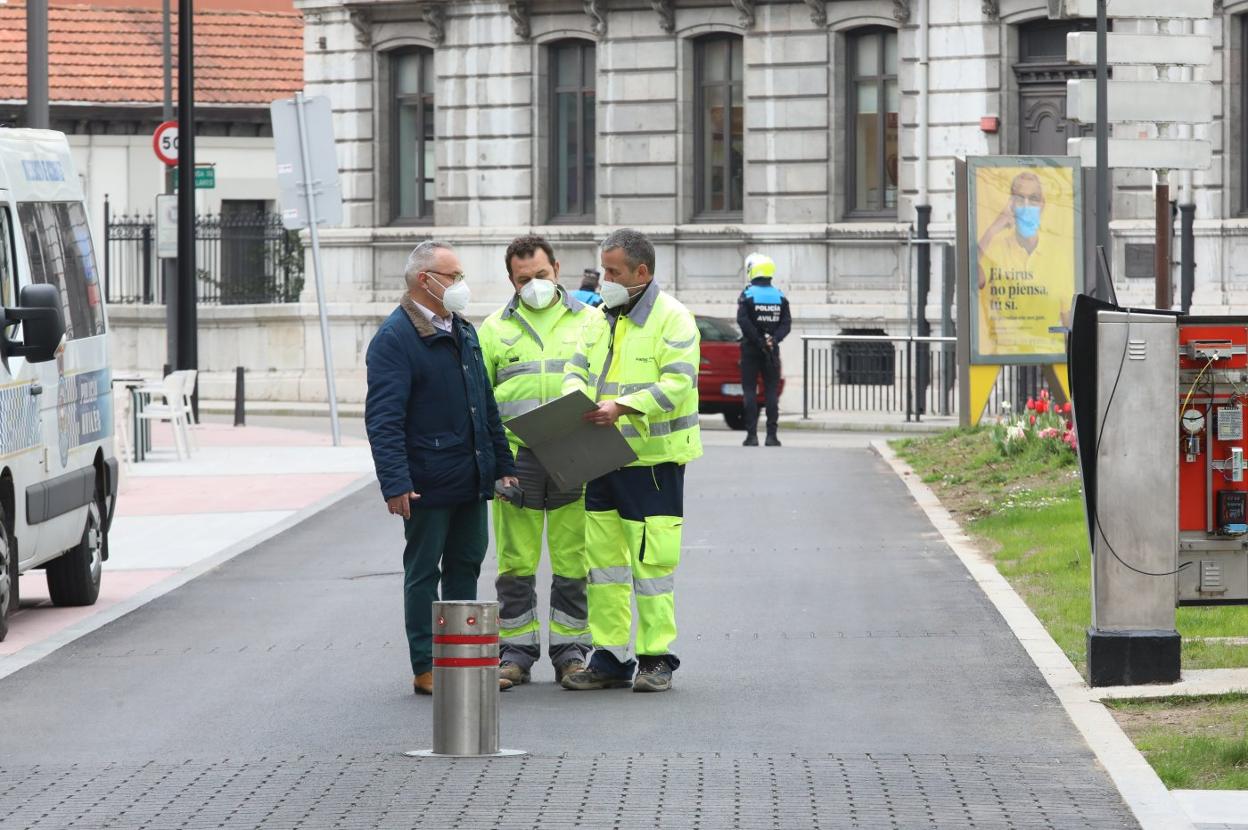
1096	516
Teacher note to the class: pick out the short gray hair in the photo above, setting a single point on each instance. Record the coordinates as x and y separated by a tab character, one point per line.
636	247
421	258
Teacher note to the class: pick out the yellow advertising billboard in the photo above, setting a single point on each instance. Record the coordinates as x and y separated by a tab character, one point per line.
1026	256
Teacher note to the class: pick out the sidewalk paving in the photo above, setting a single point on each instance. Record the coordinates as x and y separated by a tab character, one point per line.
173	514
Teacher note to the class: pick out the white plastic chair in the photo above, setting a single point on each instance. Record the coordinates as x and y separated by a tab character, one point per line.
188	390
172	410
121	426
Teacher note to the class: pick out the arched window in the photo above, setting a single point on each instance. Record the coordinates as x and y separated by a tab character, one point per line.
572	129
874	102
719	125
412	135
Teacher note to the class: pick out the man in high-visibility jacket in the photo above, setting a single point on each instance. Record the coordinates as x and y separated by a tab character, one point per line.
526	346
644	377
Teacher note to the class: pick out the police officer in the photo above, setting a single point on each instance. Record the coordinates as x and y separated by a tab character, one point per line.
588	292
763	316
643	373
525	346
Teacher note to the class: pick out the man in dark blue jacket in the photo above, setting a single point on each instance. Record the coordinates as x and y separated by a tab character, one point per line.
437	441
763	316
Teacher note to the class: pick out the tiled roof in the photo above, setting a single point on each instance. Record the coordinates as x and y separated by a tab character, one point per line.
113	56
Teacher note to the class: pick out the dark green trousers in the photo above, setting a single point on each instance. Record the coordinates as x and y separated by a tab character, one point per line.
445	544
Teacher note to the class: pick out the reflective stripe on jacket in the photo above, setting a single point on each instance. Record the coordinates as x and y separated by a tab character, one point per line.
648	361
526	354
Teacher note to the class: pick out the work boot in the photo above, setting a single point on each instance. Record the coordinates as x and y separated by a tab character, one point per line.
772	440
511	674
653	675
751	440
570	667
603	672
422	684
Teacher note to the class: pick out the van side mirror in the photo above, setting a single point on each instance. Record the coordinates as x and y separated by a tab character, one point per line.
43	324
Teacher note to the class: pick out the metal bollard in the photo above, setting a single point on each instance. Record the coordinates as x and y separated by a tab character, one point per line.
465	681
465	678
240	398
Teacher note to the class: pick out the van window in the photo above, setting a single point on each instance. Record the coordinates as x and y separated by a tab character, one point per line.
8	260
58	242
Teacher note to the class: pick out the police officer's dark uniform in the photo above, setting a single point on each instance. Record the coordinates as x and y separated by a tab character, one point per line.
763	316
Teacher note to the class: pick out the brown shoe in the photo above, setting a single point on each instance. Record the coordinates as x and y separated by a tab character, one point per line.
422	684
568	668
511	674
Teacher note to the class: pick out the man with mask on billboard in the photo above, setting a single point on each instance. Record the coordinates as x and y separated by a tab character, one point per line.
1024	274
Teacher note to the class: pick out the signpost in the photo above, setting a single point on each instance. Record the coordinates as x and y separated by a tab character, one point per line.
1161	102
205	177
309	194
167	226
1132	637
165	142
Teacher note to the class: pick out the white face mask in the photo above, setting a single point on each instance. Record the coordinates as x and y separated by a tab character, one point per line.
538	294
456	298
613	294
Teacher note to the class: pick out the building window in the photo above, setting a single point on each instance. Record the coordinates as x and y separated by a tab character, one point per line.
719	131
412	135
874	101
572	131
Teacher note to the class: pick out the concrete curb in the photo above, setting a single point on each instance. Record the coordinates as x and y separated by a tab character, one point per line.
1144	793
1194	682
33	653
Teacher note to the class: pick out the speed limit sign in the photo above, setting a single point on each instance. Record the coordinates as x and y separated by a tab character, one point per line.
165	142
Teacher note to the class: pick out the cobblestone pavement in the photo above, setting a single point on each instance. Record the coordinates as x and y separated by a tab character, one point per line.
702	792
840	669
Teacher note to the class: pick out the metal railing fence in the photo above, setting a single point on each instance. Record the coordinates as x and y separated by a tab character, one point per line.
913	375
241	258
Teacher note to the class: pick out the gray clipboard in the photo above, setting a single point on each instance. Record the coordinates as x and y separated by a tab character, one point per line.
572	450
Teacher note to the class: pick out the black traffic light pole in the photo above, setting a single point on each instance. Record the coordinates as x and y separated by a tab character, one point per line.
187	334
37	64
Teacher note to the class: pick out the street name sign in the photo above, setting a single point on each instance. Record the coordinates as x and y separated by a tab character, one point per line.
1147	153
1126	49
1158	102
1155	9
205	177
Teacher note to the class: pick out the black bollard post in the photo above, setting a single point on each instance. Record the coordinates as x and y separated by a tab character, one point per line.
240	399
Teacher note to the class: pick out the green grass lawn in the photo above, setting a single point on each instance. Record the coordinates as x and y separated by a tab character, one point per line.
1026	512
1194	743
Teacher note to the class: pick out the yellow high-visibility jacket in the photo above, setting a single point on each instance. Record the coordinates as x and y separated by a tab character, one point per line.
526	352
648	361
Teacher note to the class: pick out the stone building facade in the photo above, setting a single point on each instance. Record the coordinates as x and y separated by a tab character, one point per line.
719	127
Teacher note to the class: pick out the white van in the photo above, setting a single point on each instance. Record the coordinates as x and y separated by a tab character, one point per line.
58	474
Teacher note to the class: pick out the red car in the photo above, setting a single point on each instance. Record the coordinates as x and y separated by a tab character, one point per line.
719	379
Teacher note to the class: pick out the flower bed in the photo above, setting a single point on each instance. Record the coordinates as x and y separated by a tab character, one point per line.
1044	426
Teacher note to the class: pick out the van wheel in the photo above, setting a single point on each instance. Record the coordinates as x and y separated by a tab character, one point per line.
8	575
735	418
74	576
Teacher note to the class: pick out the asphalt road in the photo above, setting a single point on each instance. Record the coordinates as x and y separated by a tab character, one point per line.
840	669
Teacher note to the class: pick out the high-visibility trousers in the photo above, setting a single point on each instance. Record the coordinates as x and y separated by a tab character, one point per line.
633	520
518	535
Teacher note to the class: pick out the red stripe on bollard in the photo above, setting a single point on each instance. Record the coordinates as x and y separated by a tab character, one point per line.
465	662
466	639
